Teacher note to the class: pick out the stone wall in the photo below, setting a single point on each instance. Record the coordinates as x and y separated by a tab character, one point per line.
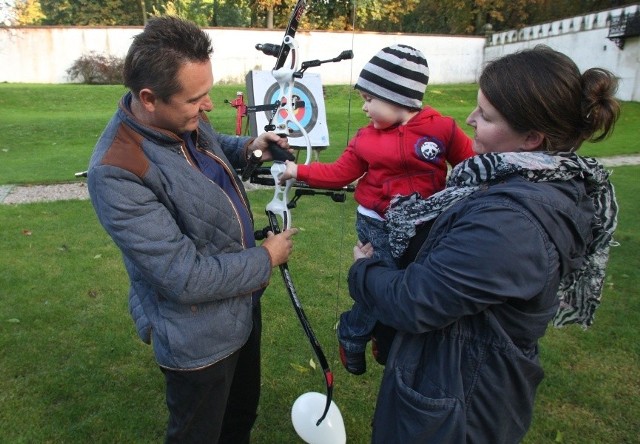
586	40
43	54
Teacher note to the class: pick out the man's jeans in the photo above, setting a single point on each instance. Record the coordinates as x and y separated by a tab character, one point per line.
218	403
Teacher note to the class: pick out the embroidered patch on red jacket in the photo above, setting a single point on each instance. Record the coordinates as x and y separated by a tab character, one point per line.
429	148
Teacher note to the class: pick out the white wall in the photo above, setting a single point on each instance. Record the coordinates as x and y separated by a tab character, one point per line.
43	54
584	39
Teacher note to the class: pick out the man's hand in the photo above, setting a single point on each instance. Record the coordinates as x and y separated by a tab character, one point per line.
279	246
265	139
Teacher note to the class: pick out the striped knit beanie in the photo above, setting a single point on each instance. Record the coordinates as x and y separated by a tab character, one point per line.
398	74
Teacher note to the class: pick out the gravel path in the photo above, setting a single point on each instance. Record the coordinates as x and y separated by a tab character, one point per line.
13	194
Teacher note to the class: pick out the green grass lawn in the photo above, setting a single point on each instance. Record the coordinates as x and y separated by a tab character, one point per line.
48	131
73	371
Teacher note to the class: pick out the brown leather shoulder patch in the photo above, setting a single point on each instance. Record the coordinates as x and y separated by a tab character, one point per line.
126	152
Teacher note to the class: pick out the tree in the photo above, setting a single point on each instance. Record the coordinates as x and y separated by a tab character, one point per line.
383	15
267	13
91	12
501	14
231	14
20	12
429	17
331	15
28	12
205	12
409	16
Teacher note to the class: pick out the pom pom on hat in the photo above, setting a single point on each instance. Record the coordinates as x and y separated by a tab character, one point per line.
398	74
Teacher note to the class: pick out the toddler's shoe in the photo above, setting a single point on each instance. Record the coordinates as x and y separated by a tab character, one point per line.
355	363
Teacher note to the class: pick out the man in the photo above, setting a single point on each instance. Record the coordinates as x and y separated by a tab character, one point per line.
163	185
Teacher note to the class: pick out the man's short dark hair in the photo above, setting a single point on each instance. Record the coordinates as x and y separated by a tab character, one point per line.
157	54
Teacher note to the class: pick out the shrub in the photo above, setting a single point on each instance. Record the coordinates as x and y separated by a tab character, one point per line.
97	69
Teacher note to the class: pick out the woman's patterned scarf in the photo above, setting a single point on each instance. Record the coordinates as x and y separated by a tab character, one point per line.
581	291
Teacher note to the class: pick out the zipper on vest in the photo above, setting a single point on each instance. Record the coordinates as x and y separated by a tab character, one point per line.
191	162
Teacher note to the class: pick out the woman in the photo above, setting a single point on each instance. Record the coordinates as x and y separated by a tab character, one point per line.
520	237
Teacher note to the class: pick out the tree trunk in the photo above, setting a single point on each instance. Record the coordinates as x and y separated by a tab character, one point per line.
143	10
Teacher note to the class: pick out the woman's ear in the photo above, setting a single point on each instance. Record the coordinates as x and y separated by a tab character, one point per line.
533	141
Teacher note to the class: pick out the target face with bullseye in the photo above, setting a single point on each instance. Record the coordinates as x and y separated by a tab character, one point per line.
307	114
264	90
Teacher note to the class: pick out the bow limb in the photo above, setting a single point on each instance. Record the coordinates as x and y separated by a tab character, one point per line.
315	344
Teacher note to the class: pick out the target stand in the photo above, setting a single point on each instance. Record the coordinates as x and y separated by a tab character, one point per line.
263	90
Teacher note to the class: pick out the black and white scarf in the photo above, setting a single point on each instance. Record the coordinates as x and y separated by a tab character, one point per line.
581	291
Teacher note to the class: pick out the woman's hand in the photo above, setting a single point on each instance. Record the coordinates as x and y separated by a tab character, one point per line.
362	251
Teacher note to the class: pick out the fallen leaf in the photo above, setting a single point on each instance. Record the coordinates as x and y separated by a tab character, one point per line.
299	368
312	364
26	232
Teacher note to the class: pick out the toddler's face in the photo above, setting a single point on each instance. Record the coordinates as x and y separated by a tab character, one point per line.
382	114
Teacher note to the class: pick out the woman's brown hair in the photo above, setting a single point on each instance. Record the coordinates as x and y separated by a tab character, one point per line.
541	89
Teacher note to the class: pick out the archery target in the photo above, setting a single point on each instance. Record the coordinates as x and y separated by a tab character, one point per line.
306	115
263	90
